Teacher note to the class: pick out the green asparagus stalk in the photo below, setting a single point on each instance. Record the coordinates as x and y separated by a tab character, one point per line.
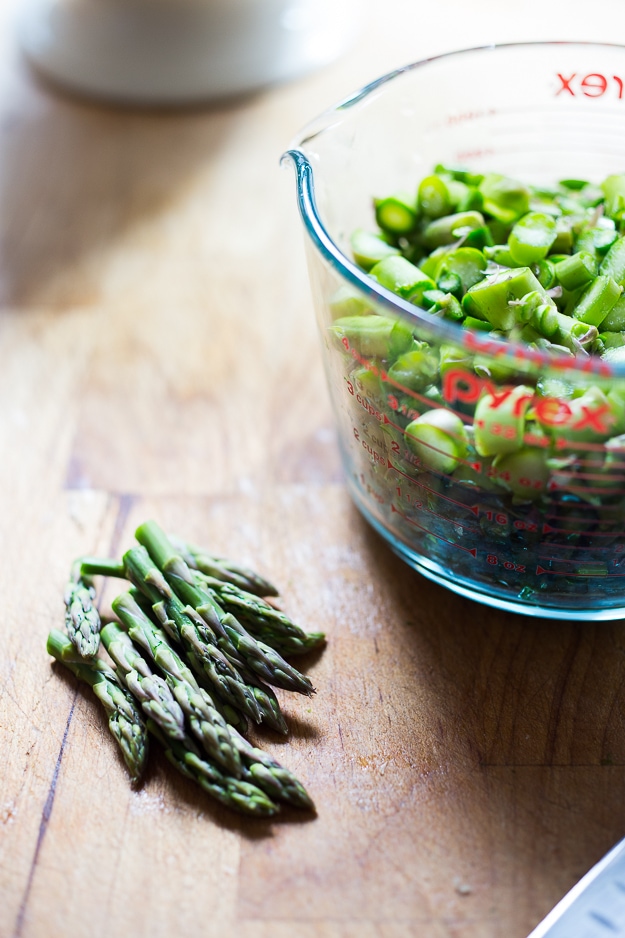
260	658
82	619
264	700
241	796
278	782
285	645
196	636
101	566
125	721
152	692
157	617
232	716
207	659
205	720
222	569
261	619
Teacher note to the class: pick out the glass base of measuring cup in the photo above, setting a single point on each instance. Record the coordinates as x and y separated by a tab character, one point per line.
573	608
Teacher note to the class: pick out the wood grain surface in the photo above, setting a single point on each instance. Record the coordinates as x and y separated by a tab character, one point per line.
159	359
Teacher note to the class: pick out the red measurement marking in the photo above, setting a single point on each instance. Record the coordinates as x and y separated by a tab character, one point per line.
389	465
563	443
473	508
494	561
499	517
364	403
477	466
454	436
467	550
587	505
549	529
377	457
371	491
469	116
367	363
602	576
591	475
463	155
521	525
584	489
459	524
552	545
426	400
558	560
589	462
389	422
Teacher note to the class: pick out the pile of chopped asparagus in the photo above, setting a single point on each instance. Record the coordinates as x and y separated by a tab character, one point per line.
543	265
194	650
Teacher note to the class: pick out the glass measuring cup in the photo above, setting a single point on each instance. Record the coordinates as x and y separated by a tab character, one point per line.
542	533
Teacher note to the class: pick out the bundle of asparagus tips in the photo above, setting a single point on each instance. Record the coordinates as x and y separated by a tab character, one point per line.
236	641
152	692
195	649
184	626
207	723
255	766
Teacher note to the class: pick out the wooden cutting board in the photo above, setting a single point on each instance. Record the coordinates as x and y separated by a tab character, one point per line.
159	359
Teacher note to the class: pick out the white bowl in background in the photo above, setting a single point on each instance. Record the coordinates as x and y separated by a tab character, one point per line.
181	51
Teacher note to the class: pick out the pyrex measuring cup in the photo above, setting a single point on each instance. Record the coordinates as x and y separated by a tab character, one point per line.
534	522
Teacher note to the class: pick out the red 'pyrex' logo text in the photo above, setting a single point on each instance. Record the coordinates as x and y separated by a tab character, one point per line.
464	386
593	85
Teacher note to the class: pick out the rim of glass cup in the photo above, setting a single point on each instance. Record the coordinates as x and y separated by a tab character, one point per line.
484	343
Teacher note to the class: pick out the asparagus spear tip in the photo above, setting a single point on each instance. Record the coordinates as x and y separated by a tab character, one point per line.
125	721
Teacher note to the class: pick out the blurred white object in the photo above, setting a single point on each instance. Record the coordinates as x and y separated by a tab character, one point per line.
181	51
